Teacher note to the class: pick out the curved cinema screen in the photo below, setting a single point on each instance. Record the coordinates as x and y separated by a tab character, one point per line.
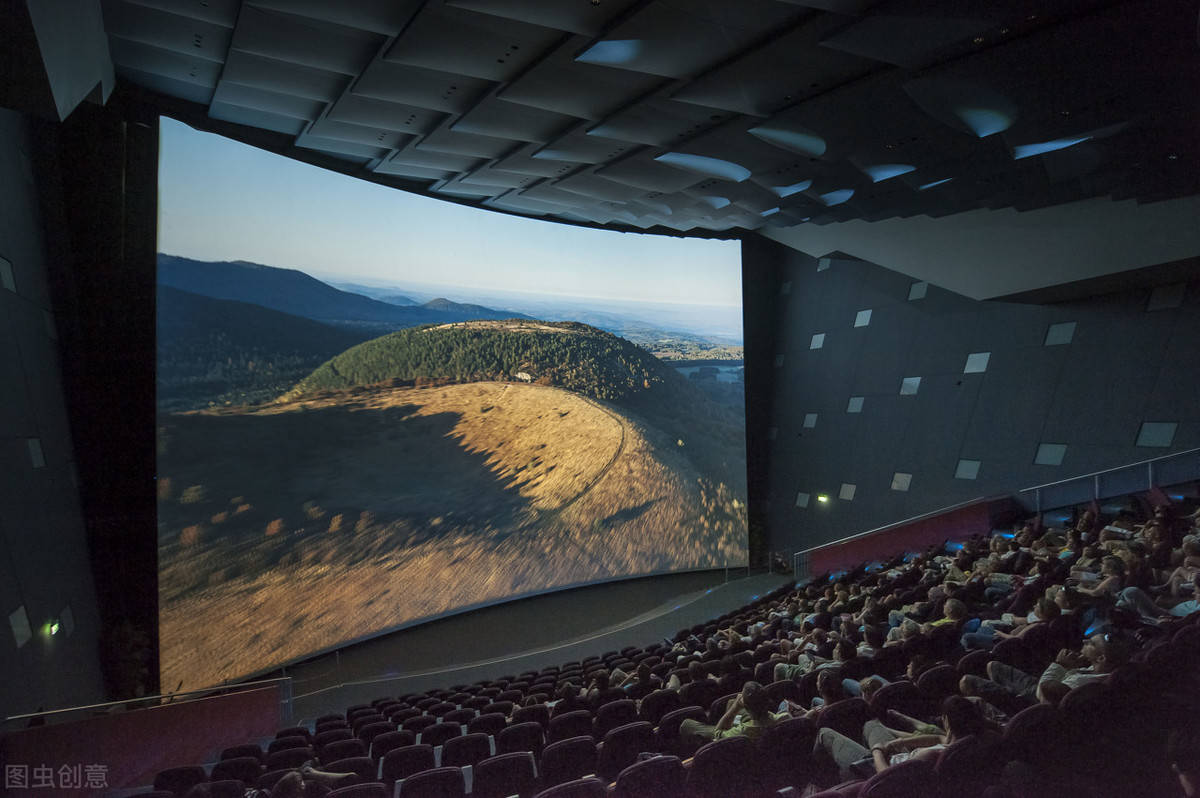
376	408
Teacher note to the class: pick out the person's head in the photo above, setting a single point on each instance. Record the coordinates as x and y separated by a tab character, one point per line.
1046	609
644	673
1106	652
961	718
697	672
1112	566
876	635
829	685
600	678
918	665
1191	548
1066	599
955	610
845	651
909	629
870	686
755	700
729	665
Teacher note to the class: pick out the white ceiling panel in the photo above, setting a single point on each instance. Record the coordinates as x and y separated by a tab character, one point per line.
449	141
590	185
269	101
907	41
168	63
578	147
460	189
252	117
548	192
494	177
284	77
418	172
501	119
523	162
658	121
578	17
408	119
218	12
186	35
359	134
642	171
379	16
679	40
425	88
337	147
436	160
186	90
560	83
482	46
782	72
304	41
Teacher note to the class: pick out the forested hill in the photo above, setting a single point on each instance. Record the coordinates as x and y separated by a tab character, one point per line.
563	354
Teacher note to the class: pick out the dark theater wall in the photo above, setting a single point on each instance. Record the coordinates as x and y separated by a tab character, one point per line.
1113	378
45	574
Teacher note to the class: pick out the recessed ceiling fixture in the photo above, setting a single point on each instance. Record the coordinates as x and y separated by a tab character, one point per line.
612	52
886	171
984	122
935	183
794	188
837	197
798	140
702	165
1042	147
717	203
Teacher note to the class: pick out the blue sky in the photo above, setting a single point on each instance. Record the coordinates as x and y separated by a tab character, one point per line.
222	200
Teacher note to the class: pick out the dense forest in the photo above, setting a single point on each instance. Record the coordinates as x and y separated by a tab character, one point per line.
563	354
708	425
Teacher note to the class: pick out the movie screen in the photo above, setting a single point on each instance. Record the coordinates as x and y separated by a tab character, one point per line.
376	408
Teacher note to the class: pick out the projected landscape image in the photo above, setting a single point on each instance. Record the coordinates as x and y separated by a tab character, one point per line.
351	440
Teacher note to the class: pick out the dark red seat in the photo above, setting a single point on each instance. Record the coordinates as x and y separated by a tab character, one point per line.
503	775
389	742
243	768
725	768
668	730
400	763
785	750
361	766
572	724
659	777
614	714
492	723
904	780
439	733
369	790
435	783
236	751
461	716
568	759
521	737
579	788
621	747
181	779
468	749
537	713
342	749
658	703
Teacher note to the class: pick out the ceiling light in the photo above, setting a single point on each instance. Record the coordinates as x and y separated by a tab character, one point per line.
612	52
702	165
935	183
1042	147
984	122
798	140
794	188
886	171
823	499
837	197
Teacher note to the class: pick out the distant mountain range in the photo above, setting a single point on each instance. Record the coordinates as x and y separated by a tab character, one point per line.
294	292
218	350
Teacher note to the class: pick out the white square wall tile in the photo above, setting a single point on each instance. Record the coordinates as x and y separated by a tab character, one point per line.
818	341
863	318
977	362
846	493
802	499
6	275
901	481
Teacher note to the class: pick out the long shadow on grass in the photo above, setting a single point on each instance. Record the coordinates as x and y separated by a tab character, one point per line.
334	485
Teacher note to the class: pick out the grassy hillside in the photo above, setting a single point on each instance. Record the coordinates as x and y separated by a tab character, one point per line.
287	528
567	355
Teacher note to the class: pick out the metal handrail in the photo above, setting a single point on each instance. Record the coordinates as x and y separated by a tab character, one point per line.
796	555
1111	470
283	680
